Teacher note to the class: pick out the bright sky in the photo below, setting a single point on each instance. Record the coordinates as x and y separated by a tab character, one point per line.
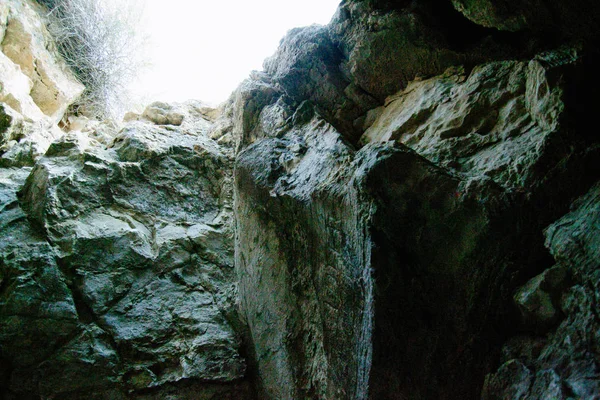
203	49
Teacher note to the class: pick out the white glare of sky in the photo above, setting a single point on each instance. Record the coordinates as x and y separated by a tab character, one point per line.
203	49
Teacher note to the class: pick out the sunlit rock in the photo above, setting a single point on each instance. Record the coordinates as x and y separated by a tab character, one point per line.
27	47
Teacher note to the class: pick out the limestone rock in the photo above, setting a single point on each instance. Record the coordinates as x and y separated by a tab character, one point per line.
36	87
351	213
39	83
24	141
365	219
162	114
386	46
535	299
512	381
495	121
306	67
368	52
292	306
192	115
10	125
131	116
506	15
132	241
15	89
37	309
417	235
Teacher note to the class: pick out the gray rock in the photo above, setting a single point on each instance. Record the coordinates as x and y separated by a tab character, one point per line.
139	273
512	381
303	293
507	15
536	300
162	114
557	17
9	128
37	309
495	121
445	190
547	385
368	52
567	365
23	141
394	172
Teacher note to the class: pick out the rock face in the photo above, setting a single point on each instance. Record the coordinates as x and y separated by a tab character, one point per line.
334	66
116	261
36	87
302	268
47	82
558	18
392	186
563	363
127	281
35	80
404	204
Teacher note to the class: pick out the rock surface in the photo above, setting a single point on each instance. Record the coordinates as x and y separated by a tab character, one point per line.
560	19
126	283
303	268
370	51
36	87
45	85
382	212
404	204
566	365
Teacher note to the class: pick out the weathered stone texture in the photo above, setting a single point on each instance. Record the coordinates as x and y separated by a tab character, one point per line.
558	19
304	284
382	213
129	283
48	86
36	87
450	178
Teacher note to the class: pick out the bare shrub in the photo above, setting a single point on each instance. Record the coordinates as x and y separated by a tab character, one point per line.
100	42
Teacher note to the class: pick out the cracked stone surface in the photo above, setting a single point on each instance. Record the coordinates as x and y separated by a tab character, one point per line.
120	275
34	80
403	248
404	204
36	87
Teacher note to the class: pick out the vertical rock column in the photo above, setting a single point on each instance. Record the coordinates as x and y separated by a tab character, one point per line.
302	255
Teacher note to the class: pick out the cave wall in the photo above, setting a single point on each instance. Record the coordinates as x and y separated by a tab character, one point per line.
462	141
402	205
